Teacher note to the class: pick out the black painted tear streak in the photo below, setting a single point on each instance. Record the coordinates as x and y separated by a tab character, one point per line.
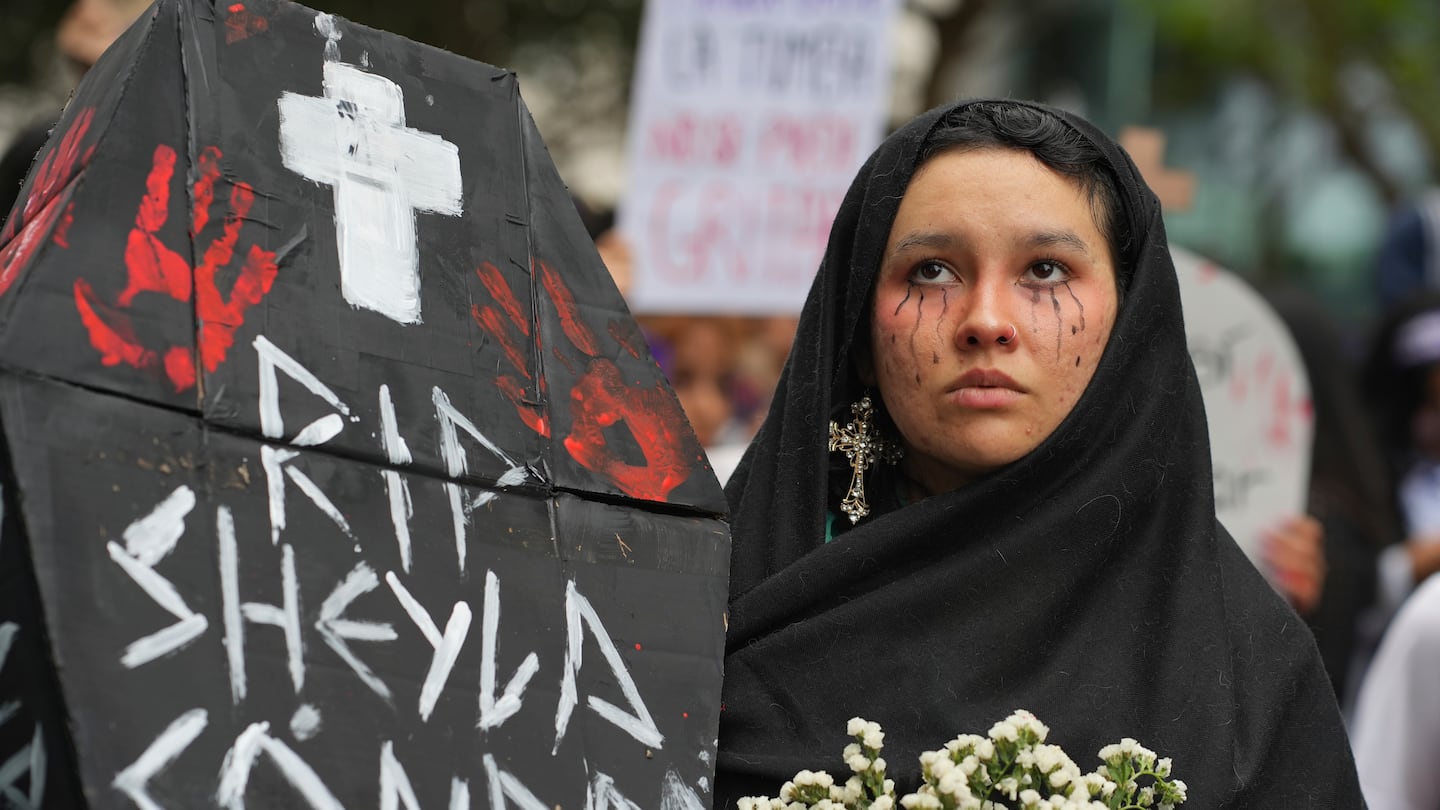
1059	330
919	312
944	309
1078	305
908	289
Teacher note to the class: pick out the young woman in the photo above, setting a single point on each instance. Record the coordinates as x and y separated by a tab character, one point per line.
998	286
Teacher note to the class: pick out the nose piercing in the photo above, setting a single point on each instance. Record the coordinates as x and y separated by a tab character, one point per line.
1003	339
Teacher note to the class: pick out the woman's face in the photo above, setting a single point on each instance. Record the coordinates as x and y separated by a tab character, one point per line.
994	301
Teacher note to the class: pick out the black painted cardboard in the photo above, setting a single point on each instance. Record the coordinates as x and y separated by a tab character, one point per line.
242	512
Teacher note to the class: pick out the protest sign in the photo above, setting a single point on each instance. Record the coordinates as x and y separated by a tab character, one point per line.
335	473
1257	400
748	121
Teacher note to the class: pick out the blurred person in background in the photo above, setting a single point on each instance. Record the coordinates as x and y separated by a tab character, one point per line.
1396	728
698	354
86	30
761	359
1402	380
1350	496
1409	258
1402	377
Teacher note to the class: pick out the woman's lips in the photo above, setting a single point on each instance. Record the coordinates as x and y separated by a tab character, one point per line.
985	389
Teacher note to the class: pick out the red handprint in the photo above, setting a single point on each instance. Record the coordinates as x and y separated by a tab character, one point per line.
153	267
24	231
599	400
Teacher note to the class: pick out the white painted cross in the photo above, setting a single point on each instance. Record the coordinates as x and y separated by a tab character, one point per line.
355	140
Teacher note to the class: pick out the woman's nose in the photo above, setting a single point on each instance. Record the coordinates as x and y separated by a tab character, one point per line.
985	323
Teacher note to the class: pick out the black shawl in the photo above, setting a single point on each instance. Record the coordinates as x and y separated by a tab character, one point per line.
1088	582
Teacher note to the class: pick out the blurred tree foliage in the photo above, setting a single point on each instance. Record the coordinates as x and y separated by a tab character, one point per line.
1347	60
487	30
493	30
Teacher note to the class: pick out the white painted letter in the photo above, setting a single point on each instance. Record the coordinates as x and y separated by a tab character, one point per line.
29	758
235	772
166	748
285	617
447	647
272	425
494	712
335	630
395	785
148	541
457	465
503	786
676	795
397	452
579	612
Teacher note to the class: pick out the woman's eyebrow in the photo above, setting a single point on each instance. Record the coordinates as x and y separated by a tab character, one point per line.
1057	238
929	240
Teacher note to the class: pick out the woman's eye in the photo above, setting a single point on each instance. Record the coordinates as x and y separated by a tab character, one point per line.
1047	271
932	273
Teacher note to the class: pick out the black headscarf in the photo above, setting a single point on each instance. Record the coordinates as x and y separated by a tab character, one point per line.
1088	582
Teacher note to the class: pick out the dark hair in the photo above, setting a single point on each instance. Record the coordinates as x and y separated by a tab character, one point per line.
1397	371
1053	142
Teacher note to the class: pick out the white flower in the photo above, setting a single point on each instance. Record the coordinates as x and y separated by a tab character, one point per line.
921	801
1162	768
883	803
858	763
873	737
1060	777
941	766
787	791
1029	798
749	802
878	765
1004	730
984	749
964	742
952	784
1023	719
855	727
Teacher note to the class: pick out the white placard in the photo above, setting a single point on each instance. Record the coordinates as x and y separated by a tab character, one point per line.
1257	400
748	121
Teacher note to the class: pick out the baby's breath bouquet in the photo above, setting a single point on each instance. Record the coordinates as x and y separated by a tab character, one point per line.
1011	769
